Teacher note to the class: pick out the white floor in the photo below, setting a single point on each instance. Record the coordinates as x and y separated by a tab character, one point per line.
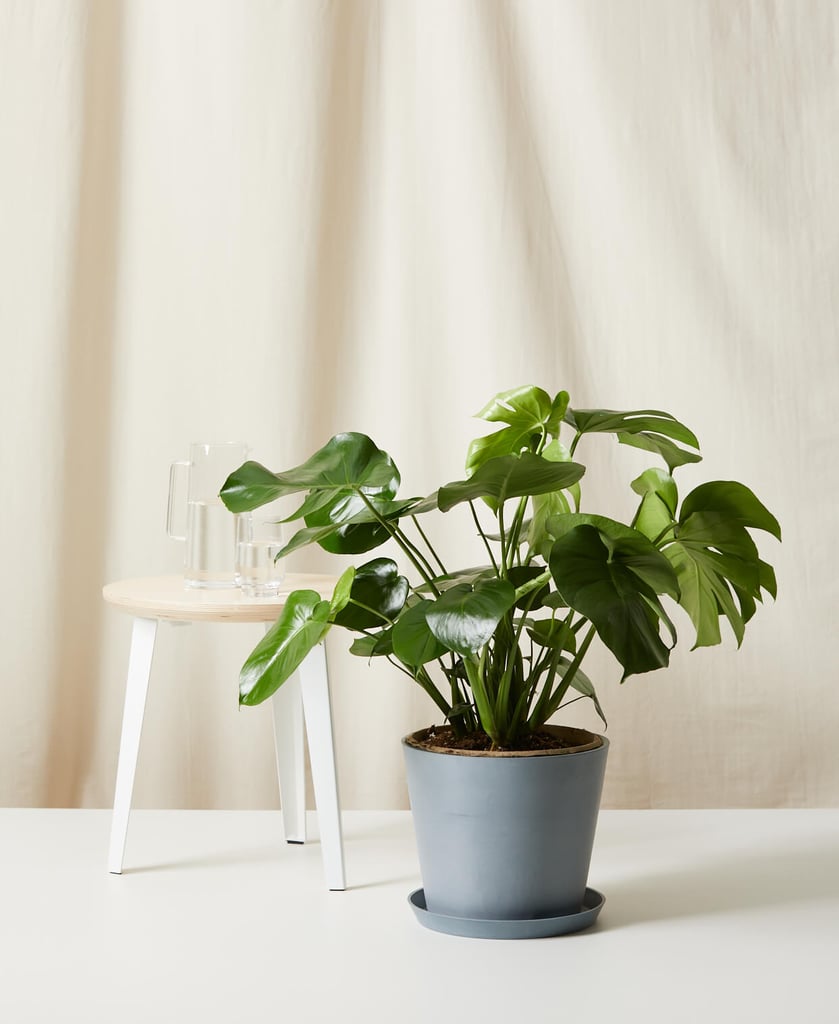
720	915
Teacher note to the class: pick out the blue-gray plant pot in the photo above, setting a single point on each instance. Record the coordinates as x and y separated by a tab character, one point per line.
506	836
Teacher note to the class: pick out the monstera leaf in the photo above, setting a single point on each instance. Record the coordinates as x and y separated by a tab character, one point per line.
650	429
362	532
346	462
464	618
614	581
716	559
528	412
376	596
413	642
659	499
355	527
510	476
303	623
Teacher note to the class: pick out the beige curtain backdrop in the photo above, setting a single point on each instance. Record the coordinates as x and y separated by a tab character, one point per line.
274	221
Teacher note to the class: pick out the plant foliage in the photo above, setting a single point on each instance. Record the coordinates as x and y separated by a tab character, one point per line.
499	646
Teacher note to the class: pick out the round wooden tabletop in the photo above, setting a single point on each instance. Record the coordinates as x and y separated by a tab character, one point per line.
168	597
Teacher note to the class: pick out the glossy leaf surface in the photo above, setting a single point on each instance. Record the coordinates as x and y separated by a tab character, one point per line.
464	619
599	577
303	622
511	477
376	597
413	642
346	461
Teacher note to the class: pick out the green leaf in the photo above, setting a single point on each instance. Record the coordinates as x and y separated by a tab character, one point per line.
557	452
360	530
529	413
464	619
699	585
582	684
510	477
362	533
598	576
717	561
303	623
523	406
341	593
249	487
632	548
545	506
552	633
649	429
413	642
453	579
734	501
346	461
377	595
672	454
656	481
509	441
555	503
363	646
375	646
559	407
519	574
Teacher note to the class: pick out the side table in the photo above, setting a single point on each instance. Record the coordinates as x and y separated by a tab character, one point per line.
151	600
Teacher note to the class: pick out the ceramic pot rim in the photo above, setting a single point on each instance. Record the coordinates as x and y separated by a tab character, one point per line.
583	740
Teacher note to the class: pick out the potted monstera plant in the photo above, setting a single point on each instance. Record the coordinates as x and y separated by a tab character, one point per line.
505	804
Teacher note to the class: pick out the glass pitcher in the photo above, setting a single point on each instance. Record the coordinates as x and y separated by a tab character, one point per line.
210	531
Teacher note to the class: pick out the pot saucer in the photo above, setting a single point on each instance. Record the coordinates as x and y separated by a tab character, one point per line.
528	928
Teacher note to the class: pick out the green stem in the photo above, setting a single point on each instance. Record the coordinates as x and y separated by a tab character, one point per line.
483	537
430	546
400	540
574	444
502	572
428	566
570	672
534	584
515	530
427	684
372	611
663	534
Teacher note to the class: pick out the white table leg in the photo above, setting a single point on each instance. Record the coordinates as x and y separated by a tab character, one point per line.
314	687
287	705
136	688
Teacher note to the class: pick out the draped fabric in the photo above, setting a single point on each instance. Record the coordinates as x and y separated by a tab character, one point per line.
275	221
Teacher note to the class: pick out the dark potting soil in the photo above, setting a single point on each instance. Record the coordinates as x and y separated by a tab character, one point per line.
443	736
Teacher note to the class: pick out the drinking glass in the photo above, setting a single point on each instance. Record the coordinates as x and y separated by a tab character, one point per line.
259	539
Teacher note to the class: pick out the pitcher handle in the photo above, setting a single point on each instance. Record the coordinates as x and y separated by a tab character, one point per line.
170	506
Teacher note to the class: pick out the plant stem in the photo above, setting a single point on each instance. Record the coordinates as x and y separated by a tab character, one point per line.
430	546
502	572
428	566
534	584
574	444
401	541
663	534
483	537
427	684
570	672
515	530
372	611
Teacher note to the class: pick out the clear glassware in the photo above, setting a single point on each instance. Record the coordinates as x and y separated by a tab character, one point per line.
259	540
209	532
